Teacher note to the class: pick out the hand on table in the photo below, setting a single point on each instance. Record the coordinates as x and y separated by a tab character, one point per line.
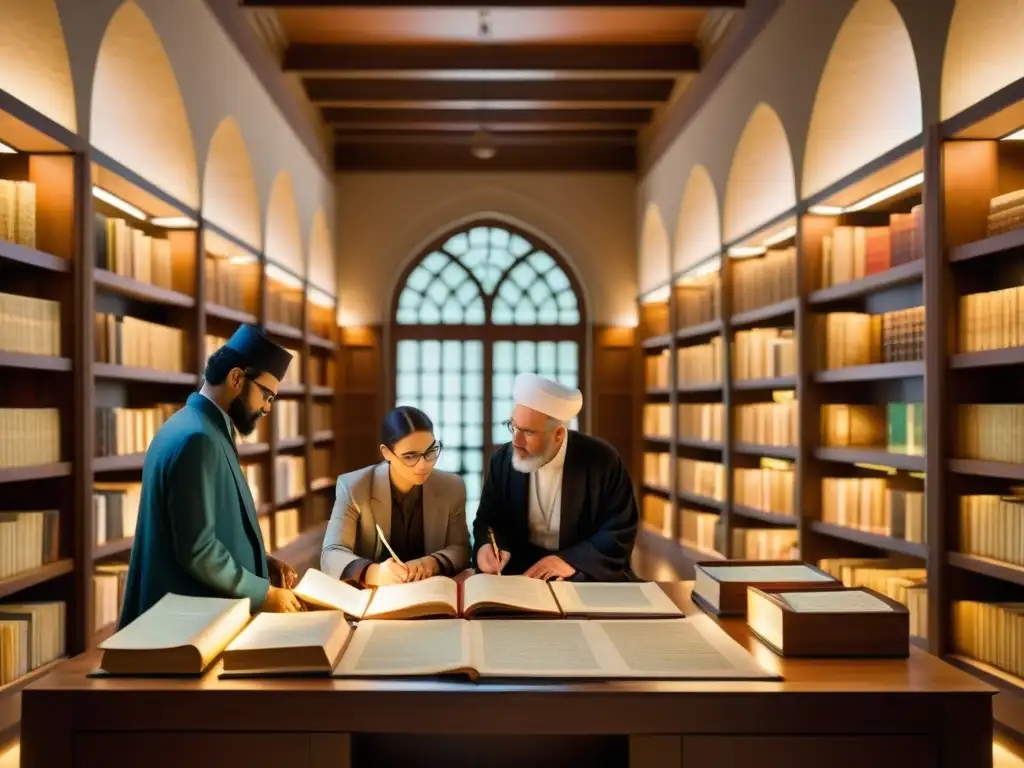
550	567
281	574
423	568
488	563
280	600
383	574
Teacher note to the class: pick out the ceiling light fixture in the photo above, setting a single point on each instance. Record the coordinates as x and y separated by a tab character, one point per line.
122	205
482	145
1015	136
6	150
873	199
173	222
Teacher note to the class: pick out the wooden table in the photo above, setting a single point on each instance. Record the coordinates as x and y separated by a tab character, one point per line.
837	713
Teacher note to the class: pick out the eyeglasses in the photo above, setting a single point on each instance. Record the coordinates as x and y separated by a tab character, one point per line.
430	455
527	433
268	395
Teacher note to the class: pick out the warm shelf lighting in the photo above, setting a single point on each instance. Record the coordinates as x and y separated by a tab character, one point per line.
122	205
781	236
703	270
283	276
174	222
1015	136
884	194
245	258
321	299
6	150
825	210
657	295
746	251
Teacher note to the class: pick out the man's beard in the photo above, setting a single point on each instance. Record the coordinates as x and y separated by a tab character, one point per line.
534	462
243	418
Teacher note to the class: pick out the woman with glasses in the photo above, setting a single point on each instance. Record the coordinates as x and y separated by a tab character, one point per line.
420	511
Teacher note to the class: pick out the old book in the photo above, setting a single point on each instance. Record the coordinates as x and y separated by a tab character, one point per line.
665	649
619	600
829	622
289	643
721	586
179	635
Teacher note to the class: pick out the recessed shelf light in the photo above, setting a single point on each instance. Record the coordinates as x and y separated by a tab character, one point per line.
122	205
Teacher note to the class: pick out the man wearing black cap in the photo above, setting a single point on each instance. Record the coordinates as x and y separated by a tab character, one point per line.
197	532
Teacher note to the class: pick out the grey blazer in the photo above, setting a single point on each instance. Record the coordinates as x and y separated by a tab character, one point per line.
363	500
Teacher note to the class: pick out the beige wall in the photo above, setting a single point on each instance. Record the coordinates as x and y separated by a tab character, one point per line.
385	219
783	68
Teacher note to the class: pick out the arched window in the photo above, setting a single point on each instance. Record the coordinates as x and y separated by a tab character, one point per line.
477	308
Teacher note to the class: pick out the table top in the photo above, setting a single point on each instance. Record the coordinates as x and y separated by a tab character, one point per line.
919	673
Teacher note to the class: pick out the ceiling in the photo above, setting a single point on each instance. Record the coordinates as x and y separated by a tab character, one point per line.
529	85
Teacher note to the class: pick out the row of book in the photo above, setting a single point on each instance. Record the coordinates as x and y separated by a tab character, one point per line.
321	417
287	415
1005	213
704	478
657	370
768	488
233	284
18	212
254	477
289	477
700	530
701	421
31	636
868	504
700	364
28	540
908	586
108	585
698	300
657	420
29	437
764	353
284	305
763	281
126	340
322	371
115	511
286	528
321	464
992	320
851	253
894	427
993	526
776	423
990	633
857	338
991	432
127	431
128	251
29	326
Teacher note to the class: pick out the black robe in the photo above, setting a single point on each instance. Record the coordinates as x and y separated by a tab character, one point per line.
599	515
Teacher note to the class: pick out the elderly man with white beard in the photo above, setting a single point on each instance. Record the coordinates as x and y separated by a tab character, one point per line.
559	504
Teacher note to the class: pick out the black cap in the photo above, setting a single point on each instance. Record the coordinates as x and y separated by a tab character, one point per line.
260	352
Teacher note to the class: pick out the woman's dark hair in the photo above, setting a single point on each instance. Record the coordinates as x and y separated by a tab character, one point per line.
402	422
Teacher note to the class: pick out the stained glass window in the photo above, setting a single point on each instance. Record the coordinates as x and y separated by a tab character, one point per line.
483	279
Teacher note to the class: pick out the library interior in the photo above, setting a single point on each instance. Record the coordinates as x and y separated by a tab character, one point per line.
749	247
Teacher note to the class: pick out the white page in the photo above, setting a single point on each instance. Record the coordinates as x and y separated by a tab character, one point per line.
287	630
320	589
837	601
383	648
766	573
614	598
395	597
515	591
178	620
534	649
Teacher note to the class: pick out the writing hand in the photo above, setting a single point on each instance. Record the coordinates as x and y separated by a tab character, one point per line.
488	563
423	568
388	572
550	567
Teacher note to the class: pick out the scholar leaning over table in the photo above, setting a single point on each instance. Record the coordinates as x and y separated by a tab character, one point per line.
560	503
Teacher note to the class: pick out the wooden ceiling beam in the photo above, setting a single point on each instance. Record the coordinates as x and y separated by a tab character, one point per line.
351	116
462	137
334	90
477	60
343	4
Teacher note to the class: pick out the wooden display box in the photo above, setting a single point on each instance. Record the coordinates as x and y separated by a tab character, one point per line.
729	598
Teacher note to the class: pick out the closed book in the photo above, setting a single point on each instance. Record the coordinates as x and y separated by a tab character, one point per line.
721	586
853	621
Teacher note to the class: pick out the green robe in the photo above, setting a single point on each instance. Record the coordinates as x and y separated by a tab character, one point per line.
197	532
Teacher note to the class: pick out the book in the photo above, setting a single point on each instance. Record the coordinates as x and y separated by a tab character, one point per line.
721	586
665	649
289	643
829	622
178	635
482	595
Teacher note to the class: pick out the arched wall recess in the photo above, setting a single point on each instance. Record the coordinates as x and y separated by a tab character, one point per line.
761	184
699	230
655	256
34	65
322	268
868	99
984	52
283	241
137	111
230	198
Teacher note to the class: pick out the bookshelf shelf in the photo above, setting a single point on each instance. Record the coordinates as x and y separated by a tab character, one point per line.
110	548
291	390
321	343
764	314
307	545
128	373
988	359
230	314
657	392
127	463
909	462
248	450
34	362
701	330
290	443
765	517
136	289
657	342
695	498
781	382
696	554
657	490
22	581
698	389
876	372
324	436
989	246
904	274
693	442
658	440
36	472
321	484
771	451
988	567
320	391
879	541
977	468
283	331
30	257
16	686
291	501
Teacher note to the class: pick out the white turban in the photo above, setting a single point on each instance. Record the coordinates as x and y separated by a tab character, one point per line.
547	397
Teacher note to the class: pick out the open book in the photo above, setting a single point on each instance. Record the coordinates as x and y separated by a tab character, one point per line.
665	649
178	635
289	643
486	595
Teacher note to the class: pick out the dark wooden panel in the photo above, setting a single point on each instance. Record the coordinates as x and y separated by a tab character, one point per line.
455	157
420	89
569	116
469	4
196	750
810	752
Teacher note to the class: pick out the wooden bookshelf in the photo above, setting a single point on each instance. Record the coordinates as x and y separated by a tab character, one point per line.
107	242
